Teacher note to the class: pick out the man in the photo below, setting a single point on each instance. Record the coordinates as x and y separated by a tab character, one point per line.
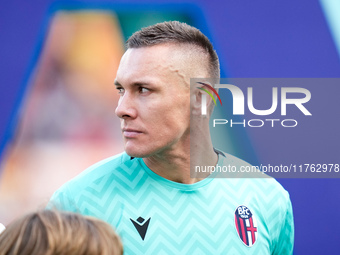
147	193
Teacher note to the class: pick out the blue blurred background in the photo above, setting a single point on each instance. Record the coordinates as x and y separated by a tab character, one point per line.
43	61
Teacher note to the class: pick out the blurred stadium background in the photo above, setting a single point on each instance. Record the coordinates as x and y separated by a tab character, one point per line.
58	60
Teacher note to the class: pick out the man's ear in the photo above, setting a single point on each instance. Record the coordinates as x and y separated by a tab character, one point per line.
200	101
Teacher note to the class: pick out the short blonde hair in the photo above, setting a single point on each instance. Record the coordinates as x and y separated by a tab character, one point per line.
50	232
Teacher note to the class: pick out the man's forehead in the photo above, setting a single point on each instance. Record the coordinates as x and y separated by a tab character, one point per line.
163	61
152	61
145	58
167	51
137	81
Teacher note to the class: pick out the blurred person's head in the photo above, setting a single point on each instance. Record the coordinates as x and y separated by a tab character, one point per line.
51	232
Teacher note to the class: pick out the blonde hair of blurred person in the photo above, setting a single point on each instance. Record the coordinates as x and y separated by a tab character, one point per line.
50	232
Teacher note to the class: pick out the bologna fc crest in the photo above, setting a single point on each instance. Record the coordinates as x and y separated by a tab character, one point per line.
246	225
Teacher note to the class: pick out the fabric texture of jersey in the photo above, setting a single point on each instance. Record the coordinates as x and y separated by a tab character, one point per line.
154	215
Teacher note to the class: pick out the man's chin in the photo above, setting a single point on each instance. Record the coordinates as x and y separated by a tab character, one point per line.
141	150
135	152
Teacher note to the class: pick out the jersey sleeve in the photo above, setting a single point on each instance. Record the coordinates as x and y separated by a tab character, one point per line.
285	241
62	200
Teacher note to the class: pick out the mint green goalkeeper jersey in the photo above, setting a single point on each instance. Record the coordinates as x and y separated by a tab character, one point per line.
153	215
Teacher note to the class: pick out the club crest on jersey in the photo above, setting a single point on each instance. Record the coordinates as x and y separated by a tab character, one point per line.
246	225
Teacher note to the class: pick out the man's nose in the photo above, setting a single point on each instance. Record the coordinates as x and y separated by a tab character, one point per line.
126	107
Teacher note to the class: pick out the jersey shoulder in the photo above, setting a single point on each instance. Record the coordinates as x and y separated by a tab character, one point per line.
96	176
256	183
99	170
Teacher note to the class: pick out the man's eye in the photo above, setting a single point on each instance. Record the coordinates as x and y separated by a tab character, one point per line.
143	90
120	90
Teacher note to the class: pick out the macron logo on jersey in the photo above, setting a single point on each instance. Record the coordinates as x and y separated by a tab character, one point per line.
141	226
246	225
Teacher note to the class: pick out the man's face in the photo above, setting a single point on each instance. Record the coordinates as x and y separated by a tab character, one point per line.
154	100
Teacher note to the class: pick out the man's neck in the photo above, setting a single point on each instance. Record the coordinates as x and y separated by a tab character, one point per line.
175	165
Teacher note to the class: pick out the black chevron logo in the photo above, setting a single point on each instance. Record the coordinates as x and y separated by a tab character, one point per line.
141	225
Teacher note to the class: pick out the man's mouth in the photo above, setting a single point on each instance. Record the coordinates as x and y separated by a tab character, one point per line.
130	133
